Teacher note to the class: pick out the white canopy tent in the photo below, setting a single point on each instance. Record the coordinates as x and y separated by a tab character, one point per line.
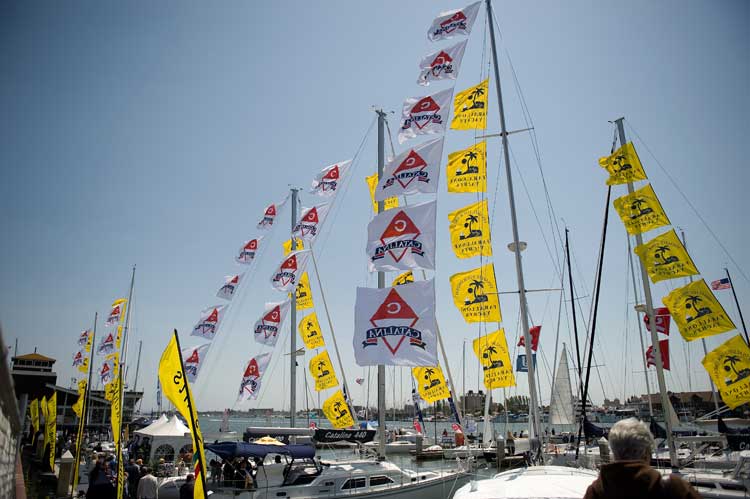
166	437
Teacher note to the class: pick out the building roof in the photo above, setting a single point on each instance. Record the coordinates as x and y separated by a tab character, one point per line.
35	356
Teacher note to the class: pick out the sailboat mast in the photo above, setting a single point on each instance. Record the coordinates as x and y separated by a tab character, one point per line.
381	285
575	320
293	329
516	245
665	403
87	408
640	333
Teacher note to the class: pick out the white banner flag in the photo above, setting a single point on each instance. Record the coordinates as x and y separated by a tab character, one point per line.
412	171
311	222
425	115
270	214
108	371
209	322
396	326
453	23
193	359
250	384
402	238
328	182
442	64
107	344
266	329
287	275
248	251
79	357
83	338
115	313
231	283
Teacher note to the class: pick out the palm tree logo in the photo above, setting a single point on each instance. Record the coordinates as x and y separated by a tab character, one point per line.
428	373
467	161
730	362
475	288
474	98
340	413
620	164
659	253
489	351
691	302
301	292
470	221
311	332
322	372
640	205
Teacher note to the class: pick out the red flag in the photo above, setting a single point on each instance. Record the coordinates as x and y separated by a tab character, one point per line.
662	321
664	348
534	332
417	426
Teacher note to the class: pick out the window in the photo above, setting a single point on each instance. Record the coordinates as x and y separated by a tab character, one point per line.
165	451
354	483
380	480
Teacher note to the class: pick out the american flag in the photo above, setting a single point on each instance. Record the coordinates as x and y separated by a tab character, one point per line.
721	284
360	380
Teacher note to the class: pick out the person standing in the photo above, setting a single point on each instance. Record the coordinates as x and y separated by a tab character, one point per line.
148	486
186	491
134	476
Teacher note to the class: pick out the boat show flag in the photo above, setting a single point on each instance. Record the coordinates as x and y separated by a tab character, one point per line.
402	239
396	326
78	405
83	338
534	332
287	245
266	329
110	342
430	383
328	181
309	330
231	283
303	293
337	411
623	166
81	361
321	370
311	222
697	312
425	115
250	384
641	211
722	283
663	320
475	294
248	251
403	278
452	23
50	423
416	170
729	368
470	108
209	322
177	389
442	64
372	184
109	369
194	358
663	349
665	257
116	313
466	170
270	214
492	351
470	230
289	272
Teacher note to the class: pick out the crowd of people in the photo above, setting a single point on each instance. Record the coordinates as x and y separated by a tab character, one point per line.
140	481
238	473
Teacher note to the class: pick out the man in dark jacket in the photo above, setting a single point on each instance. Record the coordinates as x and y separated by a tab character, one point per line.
186	491
630	476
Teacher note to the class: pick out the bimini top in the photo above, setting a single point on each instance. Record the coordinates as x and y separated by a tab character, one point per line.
230	450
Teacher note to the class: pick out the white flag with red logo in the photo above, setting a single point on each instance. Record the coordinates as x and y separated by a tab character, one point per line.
266	329
79	358
288	274
250	384
248	251
193	359
108	370
311	222
231	283
414	170
107	344
402	238
270	214
452	23
664	349
209	322
328	182
396	326
116	312
441	64
425	115
83	338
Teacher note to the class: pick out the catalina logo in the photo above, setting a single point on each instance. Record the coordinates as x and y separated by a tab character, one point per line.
398	238
410	168
443	63
423	113
456	21
394	317
269	324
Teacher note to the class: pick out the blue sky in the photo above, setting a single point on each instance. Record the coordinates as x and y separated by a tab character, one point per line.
155	134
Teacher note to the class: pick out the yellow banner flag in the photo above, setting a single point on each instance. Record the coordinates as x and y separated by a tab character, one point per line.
492	352
431	383
467	169
729	367
403	278
321	369
336	410
84	366
666	258
470	108
372	184
89	342
51	427
309	330
304	293
475	294
115	406
34	411
288	246
470	230
78	405
623	166
641	211
175	387
697	312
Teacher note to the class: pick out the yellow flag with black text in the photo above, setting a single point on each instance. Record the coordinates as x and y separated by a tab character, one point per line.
492	352
466	170
51	427
321	369
115	404
470	108
34	411
304	293
623	166
697	312
372	184
78	406
470	230
288	246
641	211
431	383
665	257
336	410
175	387
43	408
309	330
729	367
475	294
403	278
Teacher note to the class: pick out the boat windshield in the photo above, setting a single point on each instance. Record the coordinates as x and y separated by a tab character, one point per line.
301	471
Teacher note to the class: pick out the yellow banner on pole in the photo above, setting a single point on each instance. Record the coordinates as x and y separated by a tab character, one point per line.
492	352
466	170
288	246
43	409
470	230
665	257
475	294
729	367
431	383
34	411
403	278
641	211
470	108
304	293
78	405
697	312
51	428
336	410
372	184
321	369
623	166
309	330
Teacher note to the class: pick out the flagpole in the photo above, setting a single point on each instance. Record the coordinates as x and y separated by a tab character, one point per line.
84	409
381	285
652	326
737	303
91	369
293	329
123	360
